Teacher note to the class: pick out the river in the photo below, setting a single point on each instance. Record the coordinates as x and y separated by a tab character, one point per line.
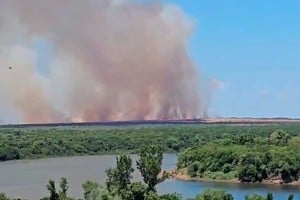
28	178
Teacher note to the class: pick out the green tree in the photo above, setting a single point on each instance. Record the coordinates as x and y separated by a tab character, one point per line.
119	178
3	196
61	195
251	168
64	186
173	196
137	190
149	164
51	188
193	169
151	195
269	196
88	187
172	143
214	194
291	197
9	153
279	137
255	197
101	193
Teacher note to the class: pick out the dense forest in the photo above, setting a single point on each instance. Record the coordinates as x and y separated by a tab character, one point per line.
252	153
251	157
28	143
39	142
119	184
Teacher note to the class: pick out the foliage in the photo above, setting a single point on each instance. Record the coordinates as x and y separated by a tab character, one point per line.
291	197
138	190
255	197
9	153
51	187
95	192
119	178
62	194
149	164
39	142
216	194
246	156
270	196
174	196
3	196
88	188
259	197
151	195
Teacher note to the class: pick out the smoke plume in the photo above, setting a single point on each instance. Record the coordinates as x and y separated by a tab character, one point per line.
113	60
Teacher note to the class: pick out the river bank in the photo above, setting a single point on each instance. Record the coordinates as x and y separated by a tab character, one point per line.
182	175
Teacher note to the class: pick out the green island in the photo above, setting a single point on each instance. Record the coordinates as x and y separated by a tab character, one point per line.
253	153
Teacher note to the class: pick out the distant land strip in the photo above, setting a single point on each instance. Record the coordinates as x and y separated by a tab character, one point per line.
221	121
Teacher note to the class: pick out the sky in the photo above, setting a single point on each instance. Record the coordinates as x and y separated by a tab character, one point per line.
252	47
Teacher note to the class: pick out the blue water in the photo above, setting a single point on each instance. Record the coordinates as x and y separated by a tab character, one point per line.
238	191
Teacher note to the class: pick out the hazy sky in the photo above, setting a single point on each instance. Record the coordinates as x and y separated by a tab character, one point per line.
251	46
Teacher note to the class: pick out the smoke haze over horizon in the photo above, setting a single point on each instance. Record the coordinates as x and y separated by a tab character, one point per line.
113	60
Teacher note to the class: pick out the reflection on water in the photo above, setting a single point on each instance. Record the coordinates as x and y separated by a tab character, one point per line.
28	178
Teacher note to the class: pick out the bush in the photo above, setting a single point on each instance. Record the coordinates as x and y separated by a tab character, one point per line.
193	169
215	194
227	168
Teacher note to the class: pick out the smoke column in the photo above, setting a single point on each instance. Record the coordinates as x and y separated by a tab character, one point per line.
113	60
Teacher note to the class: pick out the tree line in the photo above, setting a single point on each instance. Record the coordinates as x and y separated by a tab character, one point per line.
41	142
247	157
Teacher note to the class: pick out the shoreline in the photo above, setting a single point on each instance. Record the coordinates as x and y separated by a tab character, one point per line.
182	176
112	153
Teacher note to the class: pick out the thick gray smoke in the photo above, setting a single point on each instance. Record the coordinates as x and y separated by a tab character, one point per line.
113	60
